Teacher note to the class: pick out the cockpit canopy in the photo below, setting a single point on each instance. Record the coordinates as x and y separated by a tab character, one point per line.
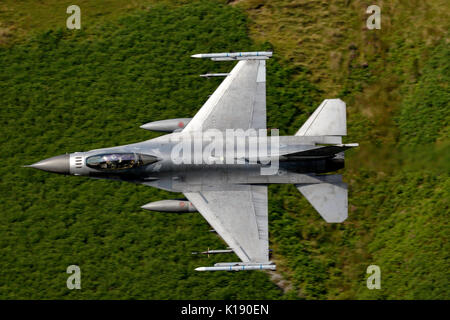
119	161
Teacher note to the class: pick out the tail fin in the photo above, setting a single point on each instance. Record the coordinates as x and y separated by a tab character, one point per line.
329	119
329	198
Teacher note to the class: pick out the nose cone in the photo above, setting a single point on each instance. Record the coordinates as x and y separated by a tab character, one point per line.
58	164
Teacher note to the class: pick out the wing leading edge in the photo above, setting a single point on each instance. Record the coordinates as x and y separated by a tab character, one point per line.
238	103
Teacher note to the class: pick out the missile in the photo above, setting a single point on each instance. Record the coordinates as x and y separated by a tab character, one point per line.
208	75
214	251
169	125
238	267
180	206
228	56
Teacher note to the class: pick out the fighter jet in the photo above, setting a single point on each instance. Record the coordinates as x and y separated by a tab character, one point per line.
224	176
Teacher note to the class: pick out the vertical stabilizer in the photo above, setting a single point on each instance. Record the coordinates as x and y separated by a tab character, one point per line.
329	119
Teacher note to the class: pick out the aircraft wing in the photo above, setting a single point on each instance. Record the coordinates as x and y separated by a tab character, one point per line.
238	103
239	217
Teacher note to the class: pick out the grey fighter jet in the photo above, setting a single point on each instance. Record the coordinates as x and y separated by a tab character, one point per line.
226	183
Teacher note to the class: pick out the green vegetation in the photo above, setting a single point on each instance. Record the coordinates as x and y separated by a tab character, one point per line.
64	91
395	82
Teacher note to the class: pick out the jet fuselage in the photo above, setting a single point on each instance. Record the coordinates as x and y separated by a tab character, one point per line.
153	163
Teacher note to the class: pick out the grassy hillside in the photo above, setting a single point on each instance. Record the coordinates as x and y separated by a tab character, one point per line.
19	19
395	82
64	91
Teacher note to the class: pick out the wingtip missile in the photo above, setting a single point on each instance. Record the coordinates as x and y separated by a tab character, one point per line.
239	267
200	269
227	56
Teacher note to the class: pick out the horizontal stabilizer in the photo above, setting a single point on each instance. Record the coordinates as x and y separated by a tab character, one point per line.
329	119
328	198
